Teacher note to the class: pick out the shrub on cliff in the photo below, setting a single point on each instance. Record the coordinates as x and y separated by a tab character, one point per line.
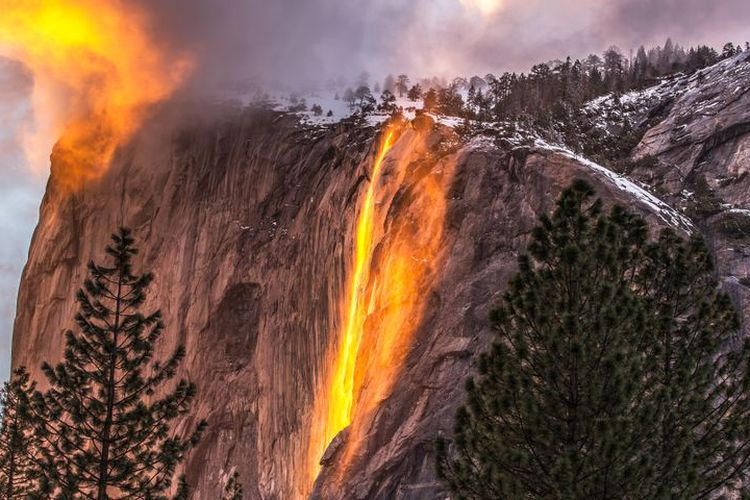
614	373
106	421
233	489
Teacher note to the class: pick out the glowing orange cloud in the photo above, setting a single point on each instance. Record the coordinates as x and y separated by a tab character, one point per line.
95	69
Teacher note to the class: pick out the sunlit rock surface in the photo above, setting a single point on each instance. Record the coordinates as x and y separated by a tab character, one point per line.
247	219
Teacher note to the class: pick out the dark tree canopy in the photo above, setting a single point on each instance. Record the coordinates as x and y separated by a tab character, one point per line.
615	373
415	92
364	100
561	87
387	102
105	422
18	468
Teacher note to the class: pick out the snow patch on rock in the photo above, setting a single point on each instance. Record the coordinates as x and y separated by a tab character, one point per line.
665	212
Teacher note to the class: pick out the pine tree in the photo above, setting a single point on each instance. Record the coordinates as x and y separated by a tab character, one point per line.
387	102
611	375
450	101
350	98
640	66
18	471
430	100
105	426
402	85
233	490
697	377
415	93
728	51
364	99
183	490
471	100
614	68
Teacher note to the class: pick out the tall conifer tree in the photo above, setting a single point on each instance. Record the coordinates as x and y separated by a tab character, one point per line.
106	420
614	373
18	470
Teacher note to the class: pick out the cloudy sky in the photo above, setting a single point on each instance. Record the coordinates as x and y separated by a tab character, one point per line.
427	37
292	40
20	193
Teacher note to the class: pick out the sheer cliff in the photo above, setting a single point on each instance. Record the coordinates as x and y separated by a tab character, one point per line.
251	223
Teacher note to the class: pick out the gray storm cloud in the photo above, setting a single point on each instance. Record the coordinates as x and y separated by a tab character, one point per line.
708	21
278	40
313	40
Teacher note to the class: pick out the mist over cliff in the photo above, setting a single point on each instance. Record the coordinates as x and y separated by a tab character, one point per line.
250	217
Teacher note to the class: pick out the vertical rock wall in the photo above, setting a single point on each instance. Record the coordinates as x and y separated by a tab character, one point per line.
247	221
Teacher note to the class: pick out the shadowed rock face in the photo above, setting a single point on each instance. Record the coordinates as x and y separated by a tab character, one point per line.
248	223
702	148
495	201
243	221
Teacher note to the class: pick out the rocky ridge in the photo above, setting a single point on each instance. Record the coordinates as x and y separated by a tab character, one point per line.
247	219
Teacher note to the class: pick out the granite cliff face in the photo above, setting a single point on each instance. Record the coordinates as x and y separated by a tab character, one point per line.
702	152
249	221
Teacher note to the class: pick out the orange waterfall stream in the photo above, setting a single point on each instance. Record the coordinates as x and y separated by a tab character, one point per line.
386	291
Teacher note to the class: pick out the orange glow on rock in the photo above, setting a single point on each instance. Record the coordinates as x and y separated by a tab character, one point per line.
95	72
342	387
333	411
392	274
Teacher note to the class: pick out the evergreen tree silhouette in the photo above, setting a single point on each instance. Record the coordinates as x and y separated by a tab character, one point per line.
105	422
613	374
18	468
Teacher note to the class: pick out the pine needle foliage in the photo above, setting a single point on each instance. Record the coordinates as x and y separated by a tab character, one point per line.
105	423
616	372
183	489
18	470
